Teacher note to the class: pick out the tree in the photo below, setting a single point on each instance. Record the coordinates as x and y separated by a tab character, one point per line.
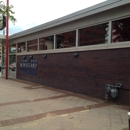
6	11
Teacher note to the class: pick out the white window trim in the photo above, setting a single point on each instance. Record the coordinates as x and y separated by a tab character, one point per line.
38	46
26	46
77	37
54	42
82	48
109	32
110	45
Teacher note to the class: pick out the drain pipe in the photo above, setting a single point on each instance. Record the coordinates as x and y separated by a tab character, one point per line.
107	89
106	95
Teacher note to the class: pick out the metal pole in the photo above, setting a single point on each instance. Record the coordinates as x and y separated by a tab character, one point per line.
129	106
129	99
7	44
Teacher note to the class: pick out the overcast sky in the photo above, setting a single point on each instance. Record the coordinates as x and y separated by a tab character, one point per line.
30	13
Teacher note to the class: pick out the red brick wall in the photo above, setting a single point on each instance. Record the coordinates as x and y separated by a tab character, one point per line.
87	74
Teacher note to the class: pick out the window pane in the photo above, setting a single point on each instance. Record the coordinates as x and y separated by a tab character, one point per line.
87	33
3	60
21	47
3	71
121	30
32	45
12	66
12	59
46	43
12	48
93	35
3	50
66	40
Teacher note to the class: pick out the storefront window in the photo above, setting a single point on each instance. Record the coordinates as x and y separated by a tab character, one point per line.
46	43
93	35
12	66
12	59
3	50
32	45
21	47
12	48
3	60
121	30
66	40
3	71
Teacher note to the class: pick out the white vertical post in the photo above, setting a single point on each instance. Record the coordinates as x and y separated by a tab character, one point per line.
38	47
54	41
110	32
26	46
77	37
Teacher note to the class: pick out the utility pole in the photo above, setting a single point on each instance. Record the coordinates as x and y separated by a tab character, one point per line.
7	42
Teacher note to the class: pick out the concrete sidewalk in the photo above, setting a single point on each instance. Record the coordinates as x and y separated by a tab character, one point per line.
28	106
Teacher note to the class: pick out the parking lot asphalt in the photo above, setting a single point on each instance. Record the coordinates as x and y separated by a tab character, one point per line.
29	106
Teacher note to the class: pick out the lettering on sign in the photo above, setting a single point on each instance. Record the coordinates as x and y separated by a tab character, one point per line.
29	67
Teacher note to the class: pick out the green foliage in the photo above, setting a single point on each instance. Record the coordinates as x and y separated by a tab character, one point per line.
7	11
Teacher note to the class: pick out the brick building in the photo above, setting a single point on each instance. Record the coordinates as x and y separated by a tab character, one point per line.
81	52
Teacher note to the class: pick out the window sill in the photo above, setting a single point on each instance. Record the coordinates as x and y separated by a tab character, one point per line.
82	48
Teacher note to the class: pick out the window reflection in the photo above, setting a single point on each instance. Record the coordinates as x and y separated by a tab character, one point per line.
12	59
66	40
3	71
46	43
121	30
32	45
21	47
87	33
3	60
12	66
93	35
3	50
12	48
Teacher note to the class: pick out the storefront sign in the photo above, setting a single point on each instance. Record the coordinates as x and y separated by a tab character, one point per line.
29	67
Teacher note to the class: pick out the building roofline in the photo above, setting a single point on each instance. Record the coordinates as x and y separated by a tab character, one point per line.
107	5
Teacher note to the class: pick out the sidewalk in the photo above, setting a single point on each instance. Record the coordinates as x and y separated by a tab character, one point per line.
28	106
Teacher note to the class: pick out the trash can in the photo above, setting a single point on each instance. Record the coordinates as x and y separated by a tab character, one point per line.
129	119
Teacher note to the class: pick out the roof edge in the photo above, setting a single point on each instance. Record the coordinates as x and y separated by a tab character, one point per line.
74	16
